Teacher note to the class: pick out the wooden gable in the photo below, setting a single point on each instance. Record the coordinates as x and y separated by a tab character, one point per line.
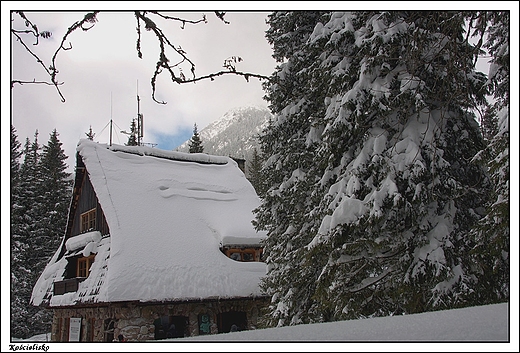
84	199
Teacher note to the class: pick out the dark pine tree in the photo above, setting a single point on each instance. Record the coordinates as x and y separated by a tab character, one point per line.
195	143
255	173
491	253
15	158
286	212
90	134
56	188
19	246
26	210
40	199
372	190
132	138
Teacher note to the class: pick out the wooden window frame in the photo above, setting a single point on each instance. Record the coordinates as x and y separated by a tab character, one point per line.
256	254
87	261
88	220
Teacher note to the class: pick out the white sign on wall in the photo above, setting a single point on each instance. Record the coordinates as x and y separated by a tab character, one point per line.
74	329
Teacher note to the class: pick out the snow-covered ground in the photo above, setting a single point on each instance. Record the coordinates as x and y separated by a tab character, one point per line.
482	328
44	337
484	323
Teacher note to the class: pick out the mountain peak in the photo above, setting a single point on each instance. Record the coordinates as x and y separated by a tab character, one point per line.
234	133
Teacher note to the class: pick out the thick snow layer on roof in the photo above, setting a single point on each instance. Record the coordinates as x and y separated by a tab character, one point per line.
53	272
169	213
92	289
81	240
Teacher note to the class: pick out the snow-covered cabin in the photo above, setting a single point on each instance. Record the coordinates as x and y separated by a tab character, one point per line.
154	238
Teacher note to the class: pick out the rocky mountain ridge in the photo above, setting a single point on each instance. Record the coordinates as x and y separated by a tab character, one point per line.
234	134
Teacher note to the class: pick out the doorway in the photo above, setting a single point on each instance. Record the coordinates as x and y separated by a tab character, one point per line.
228	319
170	327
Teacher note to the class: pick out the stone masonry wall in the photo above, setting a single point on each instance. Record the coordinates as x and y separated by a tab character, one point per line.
135	321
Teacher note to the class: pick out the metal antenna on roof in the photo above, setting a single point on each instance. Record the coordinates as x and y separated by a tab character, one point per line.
110	118
140	125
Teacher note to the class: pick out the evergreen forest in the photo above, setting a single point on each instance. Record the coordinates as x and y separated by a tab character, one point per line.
40	196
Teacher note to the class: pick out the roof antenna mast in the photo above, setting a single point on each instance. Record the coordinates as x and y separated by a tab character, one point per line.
110	118
140	125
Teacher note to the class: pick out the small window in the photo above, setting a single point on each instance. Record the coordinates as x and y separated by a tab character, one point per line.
84	264
170	327
88	220
246	255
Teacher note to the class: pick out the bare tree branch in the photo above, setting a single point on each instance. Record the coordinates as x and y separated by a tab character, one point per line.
246	75
34	31
88	18
164	62
21	83
220	15
51	70
182	20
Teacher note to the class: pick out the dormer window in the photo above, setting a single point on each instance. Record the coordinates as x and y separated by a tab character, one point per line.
88	220
78	266
243	254
84	264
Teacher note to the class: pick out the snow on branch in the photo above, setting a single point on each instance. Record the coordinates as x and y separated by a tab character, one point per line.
367	282
164	62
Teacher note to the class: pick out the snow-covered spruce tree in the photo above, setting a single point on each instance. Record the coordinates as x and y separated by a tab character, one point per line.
39	207
26	207
392	195
19	274
90	134
55	188
295	98
54	191
132	138
255	175
491	252
195	143
15	158
404	194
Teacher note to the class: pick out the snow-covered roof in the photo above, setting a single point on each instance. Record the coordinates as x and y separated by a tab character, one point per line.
168	213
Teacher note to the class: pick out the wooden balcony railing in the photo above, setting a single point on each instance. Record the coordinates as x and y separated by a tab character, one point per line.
67	285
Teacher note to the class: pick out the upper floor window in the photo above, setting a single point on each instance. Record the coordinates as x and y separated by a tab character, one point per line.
88	220
84	264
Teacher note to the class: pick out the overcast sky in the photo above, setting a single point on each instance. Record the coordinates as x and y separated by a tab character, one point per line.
102	76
